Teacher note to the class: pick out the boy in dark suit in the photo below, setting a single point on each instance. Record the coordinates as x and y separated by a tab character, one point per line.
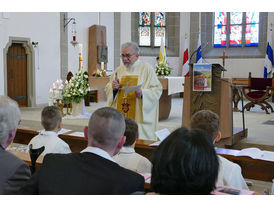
93	171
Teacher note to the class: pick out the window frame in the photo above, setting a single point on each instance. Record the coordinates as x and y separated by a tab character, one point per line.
152	30
207	39
172	35
229	25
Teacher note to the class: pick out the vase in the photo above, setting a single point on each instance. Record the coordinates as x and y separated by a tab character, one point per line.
78	108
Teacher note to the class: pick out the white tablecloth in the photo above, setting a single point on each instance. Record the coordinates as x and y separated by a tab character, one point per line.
175	84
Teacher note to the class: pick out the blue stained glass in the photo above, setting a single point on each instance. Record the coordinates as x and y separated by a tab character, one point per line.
144	18
160	19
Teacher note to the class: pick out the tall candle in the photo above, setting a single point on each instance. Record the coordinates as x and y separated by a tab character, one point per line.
102	66
80	47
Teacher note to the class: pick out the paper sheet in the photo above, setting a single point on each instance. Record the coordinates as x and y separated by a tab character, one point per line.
132	88
77	134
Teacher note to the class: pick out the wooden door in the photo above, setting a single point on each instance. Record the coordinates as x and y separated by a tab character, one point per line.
17	74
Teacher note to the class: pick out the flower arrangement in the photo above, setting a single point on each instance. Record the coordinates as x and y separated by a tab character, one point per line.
76	89
162	69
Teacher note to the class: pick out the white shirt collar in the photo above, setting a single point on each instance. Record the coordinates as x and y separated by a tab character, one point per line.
127	149
98	151
44	132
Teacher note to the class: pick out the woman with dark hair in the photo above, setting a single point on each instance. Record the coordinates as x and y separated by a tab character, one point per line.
185	163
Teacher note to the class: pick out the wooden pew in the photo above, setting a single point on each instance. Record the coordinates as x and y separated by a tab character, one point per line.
26	158
251	168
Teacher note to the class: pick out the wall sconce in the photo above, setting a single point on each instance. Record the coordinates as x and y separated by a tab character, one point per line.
35	44
66	22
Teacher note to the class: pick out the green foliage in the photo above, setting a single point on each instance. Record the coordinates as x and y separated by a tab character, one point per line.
162	69
76	89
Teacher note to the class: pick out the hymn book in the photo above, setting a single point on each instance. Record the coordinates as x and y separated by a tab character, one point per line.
256	153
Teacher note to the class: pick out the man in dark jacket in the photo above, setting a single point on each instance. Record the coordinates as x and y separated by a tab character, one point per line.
93	171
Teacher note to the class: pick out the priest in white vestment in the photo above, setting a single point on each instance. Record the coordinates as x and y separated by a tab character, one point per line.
147	98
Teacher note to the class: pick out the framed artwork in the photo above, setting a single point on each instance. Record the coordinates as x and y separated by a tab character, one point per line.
202	77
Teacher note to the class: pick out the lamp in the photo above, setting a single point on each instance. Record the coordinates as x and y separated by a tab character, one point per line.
66	22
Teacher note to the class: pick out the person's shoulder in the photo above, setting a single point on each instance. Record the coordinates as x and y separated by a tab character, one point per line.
227	163
58	157
11	160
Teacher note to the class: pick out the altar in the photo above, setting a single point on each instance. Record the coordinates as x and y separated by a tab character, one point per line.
171	85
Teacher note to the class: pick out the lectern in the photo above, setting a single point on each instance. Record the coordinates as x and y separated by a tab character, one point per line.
218	100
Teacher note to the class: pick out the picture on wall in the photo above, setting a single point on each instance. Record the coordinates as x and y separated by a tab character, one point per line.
202	77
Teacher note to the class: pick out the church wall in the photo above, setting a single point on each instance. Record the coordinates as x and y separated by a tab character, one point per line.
239	68
38	27
84	20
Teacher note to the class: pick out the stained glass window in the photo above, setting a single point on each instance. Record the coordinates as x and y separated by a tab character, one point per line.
144	18
240	29
235	28
152	28
144	28
252	29
220	23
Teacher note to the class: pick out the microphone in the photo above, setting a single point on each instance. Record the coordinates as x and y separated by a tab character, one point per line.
197	50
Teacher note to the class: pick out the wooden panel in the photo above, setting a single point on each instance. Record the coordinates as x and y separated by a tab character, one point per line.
186	104
97	36
226	113
17	74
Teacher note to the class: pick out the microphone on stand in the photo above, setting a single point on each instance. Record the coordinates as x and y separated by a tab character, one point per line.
197	50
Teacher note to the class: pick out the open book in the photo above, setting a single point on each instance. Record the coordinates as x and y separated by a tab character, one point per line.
256	153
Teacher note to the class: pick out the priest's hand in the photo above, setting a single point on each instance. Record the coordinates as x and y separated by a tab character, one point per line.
115	84
139	93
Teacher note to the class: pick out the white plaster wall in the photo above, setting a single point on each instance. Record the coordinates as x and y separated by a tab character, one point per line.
84	20
39	27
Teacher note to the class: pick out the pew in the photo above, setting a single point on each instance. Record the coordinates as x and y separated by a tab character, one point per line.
26	158
251	168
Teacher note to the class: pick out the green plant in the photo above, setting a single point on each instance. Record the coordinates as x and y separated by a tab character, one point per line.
162	69
76	89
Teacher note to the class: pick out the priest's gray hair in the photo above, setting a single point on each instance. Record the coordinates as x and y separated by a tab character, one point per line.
134	46
9	117
106	127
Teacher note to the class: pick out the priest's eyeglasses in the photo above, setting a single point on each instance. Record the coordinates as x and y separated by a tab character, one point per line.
128	56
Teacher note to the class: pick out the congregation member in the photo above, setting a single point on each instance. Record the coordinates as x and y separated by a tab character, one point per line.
92	171
143	104
51	120
14	172
229	173
127	157
185	163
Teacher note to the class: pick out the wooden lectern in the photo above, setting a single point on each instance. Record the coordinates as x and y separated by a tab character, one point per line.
218	100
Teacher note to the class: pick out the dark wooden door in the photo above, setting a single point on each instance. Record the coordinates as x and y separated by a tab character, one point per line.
17	74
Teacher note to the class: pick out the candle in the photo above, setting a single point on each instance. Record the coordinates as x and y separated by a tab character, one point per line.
80	47
80	56
102	66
